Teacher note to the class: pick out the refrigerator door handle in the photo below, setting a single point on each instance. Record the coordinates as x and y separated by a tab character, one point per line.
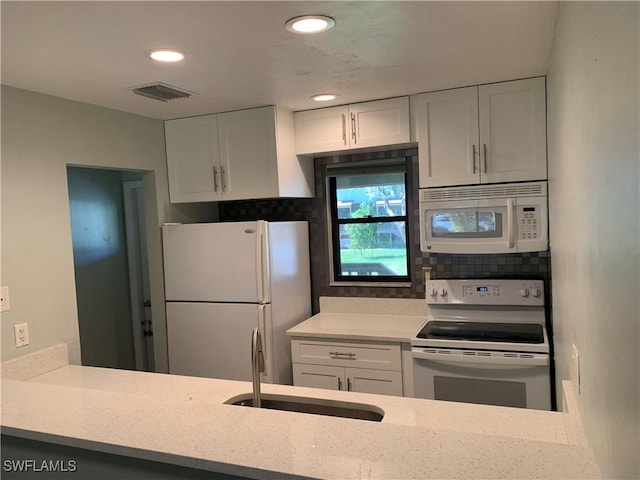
266	343
262	261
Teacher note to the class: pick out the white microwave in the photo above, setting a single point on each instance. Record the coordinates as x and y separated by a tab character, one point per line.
493	218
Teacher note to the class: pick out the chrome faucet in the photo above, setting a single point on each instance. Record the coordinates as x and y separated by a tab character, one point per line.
257	365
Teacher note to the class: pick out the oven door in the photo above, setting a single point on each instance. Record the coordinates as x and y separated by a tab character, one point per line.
468	226
493	378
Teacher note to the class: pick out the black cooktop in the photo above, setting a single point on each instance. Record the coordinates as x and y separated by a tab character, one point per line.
483	331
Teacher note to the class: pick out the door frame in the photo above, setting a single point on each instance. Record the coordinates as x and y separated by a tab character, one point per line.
133	195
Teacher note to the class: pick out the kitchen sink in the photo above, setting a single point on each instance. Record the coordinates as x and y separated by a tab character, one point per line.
315	406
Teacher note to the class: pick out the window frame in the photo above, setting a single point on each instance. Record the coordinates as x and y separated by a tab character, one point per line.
334	223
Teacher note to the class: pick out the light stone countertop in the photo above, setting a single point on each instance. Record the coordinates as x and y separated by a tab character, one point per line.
183	421
358	326
353	318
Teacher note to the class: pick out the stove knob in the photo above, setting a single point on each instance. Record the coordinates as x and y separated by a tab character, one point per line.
443	292
434	292
524	292
536	292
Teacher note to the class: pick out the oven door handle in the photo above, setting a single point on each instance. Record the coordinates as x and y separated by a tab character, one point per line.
533	360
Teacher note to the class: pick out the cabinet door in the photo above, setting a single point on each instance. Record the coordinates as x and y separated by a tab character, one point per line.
192	155
513	131
383	122
446	128
374	381
248	153
318	376
322	130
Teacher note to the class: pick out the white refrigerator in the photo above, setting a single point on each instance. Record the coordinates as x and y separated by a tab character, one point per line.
224	279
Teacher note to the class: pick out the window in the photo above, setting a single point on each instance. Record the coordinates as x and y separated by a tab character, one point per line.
368	223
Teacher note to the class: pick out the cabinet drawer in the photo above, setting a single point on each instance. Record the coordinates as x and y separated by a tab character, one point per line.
347	354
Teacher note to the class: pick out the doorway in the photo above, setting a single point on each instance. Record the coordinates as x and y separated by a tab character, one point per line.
110	263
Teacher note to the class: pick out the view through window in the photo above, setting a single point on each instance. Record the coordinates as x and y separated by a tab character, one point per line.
369	223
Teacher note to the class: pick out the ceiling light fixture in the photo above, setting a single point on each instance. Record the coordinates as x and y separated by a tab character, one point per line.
324	97
165	55
308	24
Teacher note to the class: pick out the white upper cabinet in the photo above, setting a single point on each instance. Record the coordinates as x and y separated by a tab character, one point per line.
360	125
446	125
193	159
486	134
237	155
322	130
513	132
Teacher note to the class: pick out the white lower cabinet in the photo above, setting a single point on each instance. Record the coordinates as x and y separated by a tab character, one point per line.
349	366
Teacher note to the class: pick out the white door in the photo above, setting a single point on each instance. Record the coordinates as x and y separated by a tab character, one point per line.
446	129
322	130
138	275
513	131
211	339
193	159
215	262
248	153
383	122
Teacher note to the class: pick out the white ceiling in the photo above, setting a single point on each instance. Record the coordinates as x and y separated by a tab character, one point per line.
241	56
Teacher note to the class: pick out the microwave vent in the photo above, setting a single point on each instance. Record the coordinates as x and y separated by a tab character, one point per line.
476	192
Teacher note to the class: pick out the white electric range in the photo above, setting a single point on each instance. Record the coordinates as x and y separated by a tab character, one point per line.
485	341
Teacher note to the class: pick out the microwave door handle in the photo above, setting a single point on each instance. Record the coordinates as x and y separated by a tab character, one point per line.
511	223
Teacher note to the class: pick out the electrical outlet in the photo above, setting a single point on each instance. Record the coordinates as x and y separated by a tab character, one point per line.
22	334
426	273
4	299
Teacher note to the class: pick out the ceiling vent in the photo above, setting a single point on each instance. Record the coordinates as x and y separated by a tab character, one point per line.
162	92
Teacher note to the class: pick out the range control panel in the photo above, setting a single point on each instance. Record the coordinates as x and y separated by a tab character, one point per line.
485	292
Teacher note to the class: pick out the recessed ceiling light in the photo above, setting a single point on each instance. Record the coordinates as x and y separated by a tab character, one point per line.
324	97
165	55
310	24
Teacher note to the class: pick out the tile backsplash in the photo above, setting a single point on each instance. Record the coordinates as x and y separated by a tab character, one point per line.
535	265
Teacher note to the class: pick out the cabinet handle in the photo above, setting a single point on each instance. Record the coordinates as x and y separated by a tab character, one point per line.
344	129
215	179
348	384
343	354
224	177
484	160
353	128
339	383
473	158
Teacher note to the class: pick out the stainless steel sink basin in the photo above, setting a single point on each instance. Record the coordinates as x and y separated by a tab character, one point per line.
316	406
